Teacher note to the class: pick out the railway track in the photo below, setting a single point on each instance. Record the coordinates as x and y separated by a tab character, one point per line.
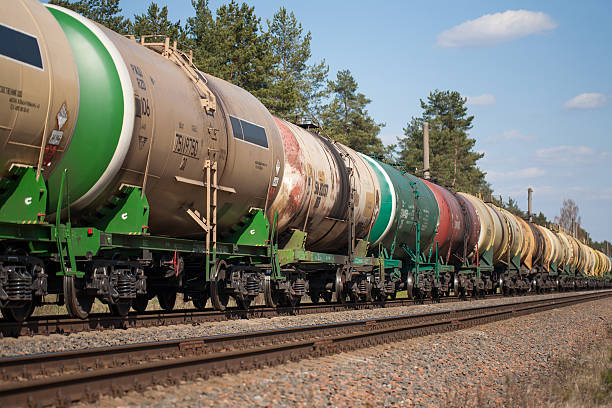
62	324
63	378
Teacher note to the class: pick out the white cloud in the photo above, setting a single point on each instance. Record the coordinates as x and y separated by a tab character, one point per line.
529	172
591	193
493	29
511	136
586	101
570	154
481	100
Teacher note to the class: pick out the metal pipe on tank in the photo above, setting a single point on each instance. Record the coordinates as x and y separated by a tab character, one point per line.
529	204
426	174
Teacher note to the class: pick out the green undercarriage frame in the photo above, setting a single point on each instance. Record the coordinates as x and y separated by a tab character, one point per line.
122	226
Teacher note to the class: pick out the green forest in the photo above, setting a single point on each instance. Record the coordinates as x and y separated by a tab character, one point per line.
272	58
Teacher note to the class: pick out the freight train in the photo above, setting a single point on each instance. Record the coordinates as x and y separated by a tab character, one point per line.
127	173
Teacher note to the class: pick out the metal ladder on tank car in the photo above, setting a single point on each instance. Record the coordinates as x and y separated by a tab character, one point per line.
185	62
211	213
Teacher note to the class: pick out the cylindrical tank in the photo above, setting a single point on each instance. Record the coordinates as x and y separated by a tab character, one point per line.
556	246
560	249
548	248
602	262
593	261
516	232
598	265
538	247
138	119
39	98
471	231
486	237
317	184
582	265
404	200
568	257
451	222
576	253
606	264
528	244
501	234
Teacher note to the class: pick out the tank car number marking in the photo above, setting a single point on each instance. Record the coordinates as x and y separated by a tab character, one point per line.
321	189
185	145
142	106
140	81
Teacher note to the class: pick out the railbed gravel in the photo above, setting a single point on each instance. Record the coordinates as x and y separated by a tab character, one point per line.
467	368
85	340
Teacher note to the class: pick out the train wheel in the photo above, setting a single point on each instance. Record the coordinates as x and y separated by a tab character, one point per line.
140	303
18	314
270	295
167	300
339	286
314	297
199	300
327	296
120	309
218	297
78	303
409	287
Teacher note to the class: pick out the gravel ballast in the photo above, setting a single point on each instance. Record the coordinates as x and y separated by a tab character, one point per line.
104	338
471	367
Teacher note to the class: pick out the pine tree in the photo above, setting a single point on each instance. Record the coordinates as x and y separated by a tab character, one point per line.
155	22
239	51
453	161
295	87
346	119
541	219
202	36
105	12
512	207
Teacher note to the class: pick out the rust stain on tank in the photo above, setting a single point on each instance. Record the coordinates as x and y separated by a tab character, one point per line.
291	146
294	202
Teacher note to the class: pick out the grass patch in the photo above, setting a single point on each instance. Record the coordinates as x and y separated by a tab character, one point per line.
582	380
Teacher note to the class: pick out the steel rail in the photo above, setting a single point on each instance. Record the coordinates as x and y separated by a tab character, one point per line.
62	378
62	324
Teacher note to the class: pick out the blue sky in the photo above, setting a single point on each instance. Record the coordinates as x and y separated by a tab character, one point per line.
537	75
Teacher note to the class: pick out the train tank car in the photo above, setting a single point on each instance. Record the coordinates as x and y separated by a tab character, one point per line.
406	204
314	194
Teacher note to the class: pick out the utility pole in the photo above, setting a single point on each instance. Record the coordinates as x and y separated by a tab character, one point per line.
529	204
426	174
